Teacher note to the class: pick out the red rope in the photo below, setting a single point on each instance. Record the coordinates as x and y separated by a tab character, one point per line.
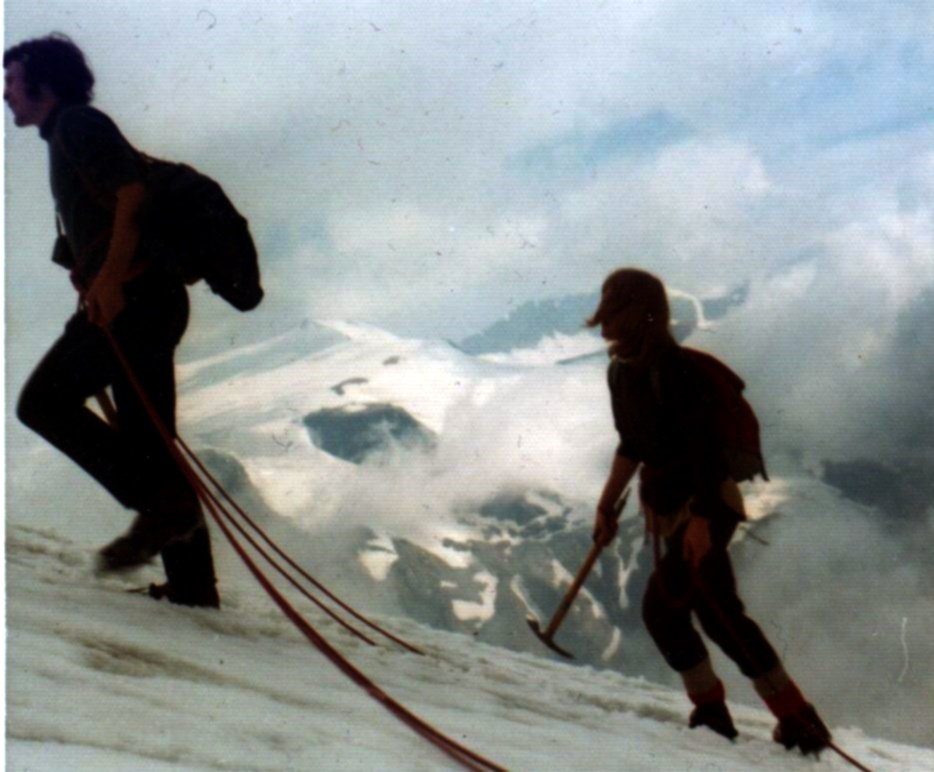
460	753
110	413
451	747
256	527
203	493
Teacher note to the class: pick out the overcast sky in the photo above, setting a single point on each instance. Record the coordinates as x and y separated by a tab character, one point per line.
429	165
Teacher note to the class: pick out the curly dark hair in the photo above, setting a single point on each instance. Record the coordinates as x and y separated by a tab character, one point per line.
54	61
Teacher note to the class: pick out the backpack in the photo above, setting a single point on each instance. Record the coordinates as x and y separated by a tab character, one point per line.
736	424
192	228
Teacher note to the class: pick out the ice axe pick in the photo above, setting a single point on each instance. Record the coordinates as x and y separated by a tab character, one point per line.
547	636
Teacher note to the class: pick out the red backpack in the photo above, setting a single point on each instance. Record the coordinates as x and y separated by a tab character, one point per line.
736	422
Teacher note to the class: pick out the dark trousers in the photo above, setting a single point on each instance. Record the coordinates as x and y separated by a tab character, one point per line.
130	460
675	590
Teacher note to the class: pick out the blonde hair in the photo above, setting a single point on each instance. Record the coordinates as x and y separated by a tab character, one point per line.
637	299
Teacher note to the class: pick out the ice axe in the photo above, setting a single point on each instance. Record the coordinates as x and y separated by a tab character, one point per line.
547	636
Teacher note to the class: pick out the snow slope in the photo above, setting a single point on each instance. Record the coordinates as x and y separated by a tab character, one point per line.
100	679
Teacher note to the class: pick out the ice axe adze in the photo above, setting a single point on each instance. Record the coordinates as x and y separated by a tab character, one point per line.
547	636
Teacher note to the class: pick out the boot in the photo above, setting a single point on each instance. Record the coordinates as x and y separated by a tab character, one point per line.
803	730
145	539
716	716
189	569
707	693
799	725
170	515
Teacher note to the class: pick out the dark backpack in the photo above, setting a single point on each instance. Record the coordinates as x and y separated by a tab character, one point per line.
736	423
191	227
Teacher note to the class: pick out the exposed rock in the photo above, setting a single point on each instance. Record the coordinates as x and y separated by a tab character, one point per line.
340	388
533	546
357	432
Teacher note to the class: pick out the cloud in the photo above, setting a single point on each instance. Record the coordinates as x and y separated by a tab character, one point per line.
844	559
688	213
829	341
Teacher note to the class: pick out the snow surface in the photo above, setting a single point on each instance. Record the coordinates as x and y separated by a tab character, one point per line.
101	679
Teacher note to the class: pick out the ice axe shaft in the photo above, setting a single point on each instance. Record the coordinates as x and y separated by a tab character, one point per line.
547	635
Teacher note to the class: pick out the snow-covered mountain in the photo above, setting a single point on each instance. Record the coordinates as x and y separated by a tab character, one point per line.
533	322
451	495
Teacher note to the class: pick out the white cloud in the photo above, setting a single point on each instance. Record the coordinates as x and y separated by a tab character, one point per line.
894	252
